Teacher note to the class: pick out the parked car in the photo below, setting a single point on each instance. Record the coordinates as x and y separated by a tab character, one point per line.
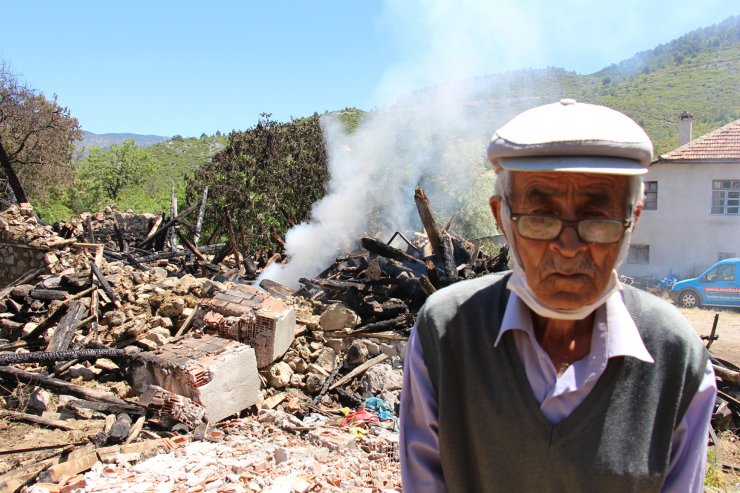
718	286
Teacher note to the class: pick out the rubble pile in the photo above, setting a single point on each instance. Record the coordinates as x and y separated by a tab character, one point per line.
132	332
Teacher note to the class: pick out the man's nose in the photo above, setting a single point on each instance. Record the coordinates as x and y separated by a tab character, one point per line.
569	243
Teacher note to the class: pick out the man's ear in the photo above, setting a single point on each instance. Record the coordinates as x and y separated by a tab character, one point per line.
495	203
638	211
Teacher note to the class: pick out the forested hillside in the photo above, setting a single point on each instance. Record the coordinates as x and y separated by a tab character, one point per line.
256	170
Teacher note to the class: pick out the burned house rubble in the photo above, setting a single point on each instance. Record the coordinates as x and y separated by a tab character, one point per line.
121	325
121	338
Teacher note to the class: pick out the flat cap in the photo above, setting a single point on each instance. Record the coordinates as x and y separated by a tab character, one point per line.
572	137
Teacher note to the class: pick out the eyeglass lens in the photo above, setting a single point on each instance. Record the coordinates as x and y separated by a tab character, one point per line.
589	230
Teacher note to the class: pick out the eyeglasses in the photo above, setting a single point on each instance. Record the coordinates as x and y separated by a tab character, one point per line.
537	227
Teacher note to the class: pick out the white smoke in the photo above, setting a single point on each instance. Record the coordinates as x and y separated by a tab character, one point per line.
425	139
431	138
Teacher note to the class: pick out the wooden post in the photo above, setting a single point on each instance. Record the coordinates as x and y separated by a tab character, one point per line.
201	213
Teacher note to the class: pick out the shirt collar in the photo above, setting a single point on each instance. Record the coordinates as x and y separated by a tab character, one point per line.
612	323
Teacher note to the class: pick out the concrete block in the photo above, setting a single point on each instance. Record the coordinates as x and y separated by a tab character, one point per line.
249	315
216	373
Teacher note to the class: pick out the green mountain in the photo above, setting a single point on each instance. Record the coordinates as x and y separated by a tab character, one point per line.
698	72
104	141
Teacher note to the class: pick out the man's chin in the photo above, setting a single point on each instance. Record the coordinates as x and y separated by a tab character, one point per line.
568	296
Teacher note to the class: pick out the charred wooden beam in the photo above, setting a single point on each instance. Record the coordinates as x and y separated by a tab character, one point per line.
48	294
427	219
47	323
54	356
400	321
276	289
65	331
103	282
426	285
107	407
24	279
32	418
122	245
447	255
166	226
379	248
15	375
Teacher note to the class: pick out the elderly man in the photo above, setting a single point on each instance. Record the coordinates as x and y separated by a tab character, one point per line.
554	377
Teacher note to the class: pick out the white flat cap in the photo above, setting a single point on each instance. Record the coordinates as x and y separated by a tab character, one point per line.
572	137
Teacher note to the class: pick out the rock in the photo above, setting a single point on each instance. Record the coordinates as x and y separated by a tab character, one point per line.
280	454
357	354
171	306
39	399
80	370
114	318
184	285
338	317
211	287
158	335
278	375
157	275
327	359
158	321
106	365
296	380
314	383
338	344
295	362
379	378
373	349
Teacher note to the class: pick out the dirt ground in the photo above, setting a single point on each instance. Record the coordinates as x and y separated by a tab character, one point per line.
727	345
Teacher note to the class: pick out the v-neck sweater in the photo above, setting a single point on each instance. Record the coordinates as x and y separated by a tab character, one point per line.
494	437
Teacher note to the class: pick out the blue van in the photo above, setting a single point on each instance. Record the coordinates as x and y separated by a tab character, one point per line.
718	286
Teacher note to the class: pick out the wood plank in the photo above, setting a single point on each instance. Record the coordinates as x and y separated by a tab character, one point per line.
359	370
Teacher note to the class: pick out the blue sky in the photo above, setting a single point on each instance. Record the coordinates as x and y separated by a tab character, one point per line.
189	67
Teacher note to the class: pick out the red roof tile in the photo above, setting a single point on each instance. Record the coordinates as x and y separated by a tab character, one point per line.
721	144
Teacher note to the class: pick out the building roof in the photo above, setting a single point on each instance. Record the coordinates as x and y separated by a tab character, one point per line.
719	145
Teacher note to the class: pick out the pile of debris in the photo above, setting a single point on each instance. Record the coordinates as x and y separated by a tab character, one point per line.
130	333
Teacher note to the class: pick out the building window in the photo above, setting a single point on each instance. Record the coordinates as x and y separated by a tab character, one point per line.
651	195
638	254
726	197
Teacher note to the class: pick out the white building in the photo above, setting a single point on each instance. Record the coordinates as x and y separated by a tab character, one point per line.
691	217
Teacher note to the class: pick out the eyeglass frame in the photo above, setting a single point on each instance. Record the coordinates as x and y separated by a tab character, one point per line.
564	223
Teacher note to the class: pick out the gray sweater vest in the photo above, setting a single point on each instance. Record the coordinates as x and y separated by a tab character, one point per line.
492	434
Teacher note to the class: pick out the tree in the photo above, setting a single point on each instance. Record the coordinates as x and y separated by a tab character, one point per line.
113	170
37	138
269	177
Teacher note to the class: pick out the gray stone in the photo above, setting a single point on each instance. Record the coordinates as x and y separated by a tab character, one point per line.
373	349
314	383
327	359
171	306
281	455
39	399
296	380
278	374
357	354
379	378
338	317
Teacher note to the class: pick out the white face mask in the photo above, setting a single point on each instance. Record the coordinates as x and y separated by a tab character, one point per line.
518	282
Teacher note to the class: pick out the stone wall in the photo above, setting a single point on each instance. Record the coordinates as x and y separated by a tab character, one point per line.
16	259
